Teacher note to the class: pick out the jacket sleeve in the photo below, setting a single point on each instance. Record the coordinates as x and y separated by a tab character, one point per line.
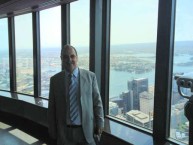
97	104
52	112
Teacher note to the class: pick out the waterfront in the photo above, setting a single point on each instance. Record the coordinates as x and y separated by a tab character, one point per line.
124	66
118	79
50	64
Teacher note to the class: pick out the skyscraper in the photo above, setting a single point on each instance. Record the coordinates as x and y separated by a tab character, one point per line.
137	86
146	102
127	100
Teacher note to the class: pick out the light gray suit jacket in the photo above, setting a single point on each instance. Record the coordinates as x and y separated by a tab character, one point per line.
91	105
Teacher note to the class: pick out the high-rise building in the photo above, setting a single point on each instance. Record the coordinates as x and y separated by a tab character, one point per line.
146	102
127	100
139	118
137	86
113	108
119	101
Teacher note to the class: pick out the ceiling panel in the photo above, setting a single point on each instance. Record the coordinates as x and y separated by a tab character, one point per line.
15	7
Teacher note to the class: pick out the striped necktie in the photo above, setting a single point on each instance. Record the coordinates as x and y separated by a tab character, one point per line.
73	103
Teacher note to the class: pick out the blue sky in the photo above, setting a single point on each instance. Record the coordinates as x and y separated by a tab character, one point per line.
50	27
23	32
131	22
80	20
3	34
184	20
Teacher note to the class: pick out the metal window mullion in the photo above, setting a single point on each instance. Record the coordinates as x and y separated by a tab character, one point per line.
163	71
36	54
65	24
96	38
12	56
92	37
105	67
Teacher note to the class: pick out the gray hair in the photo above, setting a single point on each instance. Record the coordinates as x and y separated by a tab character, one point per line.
68	46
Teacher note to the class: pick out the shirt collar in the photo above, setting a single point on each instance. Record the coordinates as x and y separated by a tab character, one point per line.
74	73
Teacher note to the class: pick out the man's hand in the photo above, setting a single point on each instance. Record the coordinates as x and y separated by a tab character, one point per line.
98	130
97	134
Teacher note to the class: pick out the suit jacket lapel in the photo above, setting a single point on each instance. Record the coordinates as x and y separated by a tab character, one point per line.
62	95
82	82
62	84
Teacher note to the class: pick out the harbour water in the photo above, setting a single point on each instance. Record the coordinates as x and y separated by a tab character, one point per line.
135	55
119	79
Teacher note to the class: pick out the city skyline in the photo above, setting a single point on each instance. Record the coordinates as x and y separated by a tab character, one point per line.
51	66
133	35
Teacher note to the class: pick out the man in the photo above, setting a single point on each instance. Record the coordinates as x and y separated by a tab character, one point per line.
75	108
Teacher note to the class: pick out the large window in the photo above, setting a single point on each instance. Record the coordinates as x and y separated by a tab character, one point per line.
79	28
4	55
132	60
182	64
24	54
50	34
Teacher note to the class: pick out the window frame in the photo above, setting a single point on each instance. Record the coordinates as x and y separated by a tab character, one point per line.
163	74
12	58
36	53
163	83
99	47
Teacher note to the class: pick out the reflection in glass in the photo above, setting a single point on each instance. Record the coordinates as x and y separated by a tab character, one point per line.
5	94
50	33
79	30
4	56
127	134
132	61
24	54
182	64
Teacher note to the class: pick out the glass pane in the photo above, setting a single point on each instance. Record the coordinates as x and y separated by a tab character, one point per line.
79	28
182	64
132	60
4	56
24	54
50	33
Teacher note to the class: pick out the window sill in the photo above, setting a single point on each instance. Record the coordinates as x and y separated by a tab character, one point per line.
127	134
34	109
131	134
28	99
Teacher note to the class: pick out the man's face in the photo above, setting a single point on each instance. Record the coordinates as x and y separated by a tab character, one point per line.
69	59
